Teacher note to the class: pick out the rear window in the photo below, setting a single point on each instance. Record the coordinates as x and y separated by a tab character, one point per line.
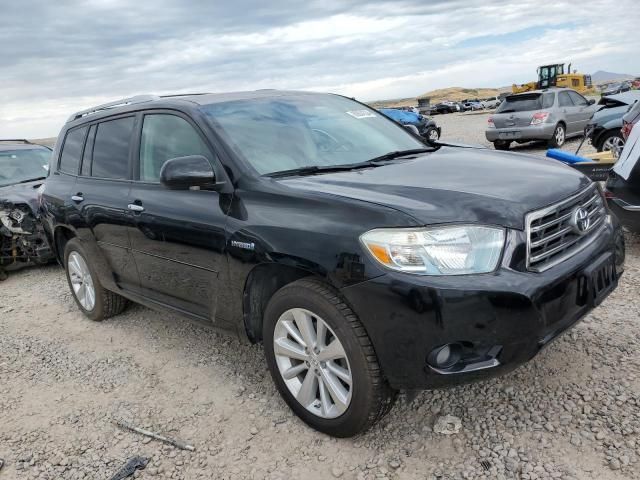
72	151
564	100
111	149
526	102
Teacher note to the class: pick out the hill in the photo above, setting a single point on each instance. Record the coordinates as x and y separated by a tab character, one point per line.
603	77
454	94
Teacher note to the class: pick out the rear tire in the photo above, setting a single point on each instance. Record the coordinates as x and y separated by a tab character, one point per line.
81	274
501	144
559	136
363	401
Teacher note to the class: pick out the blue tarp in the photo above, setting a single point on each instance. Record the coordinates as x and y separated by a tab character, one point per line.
402	116
566	157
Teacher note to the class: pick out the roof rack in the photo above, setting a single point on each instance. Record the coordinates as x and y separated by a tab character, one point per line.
16	140
184	94
114	104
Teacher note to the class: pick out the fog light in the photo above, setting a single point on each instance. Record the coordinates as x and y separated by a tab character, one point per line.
445	356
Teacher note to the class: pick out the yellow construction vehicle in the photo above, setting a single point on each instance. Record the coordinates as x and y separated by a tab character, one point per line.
555	76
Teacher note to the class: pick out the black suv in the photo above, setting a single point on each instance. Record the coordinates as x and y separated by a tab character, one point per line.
364	260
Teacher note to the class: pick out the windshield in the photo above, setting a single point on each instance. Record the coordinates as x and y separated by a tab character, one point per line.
289	132
22	165
526	102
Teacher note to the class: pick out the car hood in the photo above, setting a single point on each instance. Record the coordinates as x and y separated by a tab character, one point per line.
607	114
455	185
26	193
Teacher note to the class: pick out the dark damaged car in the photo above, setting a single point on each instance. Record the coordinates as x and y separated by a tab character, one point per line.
363	261
23	169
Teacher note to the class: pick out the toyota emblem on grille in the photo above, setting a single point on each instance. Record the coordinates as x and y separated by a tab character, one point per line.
580	220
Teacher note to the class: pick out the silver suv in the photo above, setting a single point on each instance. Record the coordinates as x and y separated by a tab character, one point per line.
552	115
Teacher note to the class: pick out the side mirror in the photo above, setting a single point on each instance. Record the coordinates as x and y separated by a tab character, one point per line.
591	101
182	173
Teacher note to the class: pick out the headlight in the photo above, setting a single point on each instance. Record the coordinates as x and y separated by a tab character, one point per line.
445	250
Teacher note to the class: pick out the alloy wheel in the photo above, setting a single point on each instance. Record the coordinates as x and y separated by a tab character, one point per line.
613	144
559	135
313	363
81	281
433	135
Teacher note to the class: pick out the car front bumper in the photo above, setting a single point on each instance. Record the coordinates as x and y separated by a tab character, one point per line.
543	131
502	319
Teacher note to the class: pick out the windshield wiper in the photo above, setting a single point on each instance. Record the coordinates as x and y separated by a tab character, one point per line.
31	180
374	162
311	169
400	153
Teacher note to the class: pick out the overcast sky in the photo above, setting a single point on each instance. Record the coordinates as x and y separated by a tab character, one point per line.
58	56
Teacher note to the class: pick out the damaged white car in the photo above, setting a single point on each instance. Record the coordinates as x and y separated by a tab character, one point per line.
23	168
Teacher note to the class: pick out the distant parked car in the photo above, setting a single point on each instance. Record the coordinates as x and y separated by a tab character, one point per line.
444	107
551	114
492	102
426	127
604	129
616	88
472	105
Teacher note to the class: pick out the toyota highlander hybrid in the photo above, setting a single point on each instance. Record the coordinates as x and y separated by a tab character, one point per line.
362	259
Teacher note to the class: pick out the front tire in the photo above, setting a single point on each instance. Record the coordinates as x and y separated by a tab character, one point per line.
559	136
612	142
92	298
322	360
432	135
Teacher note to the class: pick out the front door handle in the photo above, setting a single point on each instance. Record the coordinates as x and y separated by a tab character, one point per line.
77	197
135	208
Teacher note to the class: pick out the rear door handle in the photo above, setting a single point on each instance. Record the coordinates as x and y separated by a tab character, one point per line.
135	208
77	197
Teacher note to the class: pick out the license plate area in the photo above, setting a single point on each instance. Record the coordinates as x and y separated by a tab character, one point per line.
509	135
597	281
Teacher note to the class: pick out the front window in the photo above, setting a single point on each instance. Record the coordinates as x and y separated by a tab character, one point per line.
295	131
165	137
23	165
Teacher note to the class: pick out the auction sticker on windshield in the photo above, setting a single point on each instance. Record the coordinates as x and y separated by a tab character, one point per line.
361	114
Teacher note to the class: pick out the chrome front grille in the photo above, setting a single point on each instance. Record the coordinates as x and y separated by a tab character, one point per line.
557	232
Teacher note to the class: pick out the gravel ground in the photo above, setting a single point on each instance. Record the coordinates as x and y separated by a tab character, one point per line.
571	413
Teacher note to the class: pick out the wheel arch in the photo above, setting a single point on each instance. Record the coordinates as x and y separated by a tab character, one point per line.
605	134
61	235
262	282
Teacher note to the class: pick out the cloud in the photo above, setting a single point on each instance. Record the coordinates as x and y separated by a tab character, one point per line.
62	56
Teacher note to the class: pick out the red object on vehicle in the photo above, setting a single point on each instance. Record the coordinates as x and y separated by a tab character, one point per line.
626	129
539	117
